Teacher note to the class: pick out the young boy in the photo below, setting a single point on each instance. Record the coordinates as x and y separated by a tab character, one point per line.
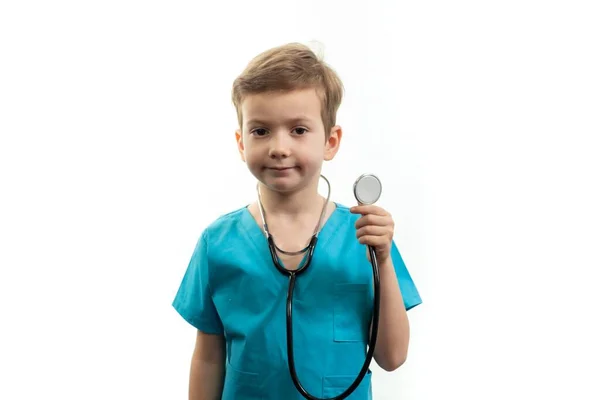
286	101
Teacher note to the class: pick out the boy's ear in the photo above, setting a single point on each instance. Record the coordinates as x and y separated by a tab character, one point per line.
240	143
332	144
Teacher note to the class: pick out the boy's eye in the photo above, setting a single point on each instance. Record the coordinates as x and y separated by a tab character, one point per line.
300	131
259	132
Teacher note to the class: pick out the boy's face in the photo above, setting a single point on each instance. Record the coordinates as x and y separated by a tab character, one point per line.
283	139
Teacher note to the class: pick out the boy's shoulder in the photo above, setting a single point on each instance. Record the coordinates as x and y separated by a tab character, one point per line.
225	223
343	209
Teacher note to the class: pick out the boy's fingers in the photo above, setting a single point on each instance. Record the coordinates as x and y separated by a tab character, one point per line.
371	240
372	219
372	230
368	209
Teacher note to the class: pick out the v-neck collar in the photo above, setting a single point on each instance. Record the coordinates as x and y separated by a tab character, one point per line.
258	238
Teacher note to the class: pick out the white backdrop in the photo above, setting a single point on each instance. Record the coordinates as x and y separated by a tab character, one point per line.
117	149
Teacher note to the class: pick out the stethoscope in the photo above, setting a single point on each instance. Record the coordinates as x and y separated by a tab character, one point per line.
367	190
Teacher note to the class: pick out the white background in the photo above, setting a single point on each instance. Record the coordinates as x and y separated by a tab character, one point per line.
117	148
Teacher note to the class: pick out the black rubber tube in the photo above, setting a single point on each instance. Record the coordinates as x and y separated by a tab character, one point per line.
372	340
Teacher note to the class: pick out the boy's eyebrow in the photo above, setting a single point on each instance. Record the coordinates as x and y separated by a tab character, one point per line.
255	122
295	120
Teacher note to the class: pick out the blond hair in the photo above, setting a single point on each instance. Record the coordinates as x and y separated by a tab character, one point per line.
290	67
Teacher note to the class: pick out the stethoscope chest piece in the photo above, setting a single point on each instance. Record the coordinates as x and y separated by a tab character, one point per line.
367	189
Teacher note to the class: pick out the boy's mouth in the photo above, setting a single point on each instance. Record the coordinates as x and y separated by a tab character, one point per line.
280	168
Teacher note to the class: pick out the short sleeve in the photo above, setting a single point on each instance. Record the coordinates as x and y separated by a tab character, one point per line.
409	291
193	300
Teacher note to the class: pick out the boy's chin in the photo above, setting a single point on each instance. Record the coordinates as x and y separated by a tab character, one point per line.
281	186
284	185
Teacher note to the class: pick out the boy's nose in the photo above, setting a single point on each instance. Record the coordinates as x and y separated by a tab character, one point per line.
280	146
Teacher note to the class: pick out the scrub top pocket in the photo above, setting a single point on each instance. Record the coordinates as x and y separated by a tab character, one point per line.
241	385
335	385
351	312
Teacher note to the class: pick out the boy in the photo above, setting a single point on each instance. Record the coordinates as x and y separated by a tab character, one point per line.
286	101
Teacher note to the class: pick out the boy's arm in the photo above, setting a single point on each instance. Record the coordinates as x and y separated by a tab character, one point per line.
394	331
398	293
208	367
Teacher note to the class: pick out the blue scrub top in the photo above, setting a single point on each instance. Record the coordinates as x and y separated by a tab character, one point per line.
231	287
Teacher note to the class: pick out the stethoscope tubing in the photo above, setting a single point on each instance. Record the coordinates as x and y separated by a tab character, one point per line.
292	274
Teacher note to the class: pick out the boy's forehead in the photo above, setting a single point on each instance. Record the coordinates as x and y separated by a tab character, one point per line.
292	105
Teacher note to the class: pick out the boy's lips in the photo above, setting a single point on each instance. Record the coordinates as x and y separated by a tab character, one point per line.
280	168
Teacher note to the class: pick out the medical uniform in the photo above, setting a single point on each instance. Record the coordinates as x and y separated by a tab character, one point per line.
231	287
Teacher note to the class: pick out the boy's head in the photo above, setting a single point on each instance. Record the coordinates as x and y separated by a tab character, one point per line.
286	102
286	68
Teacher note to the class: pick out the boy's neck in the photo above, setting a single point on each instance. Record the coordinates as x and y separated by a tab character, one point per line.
294	204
